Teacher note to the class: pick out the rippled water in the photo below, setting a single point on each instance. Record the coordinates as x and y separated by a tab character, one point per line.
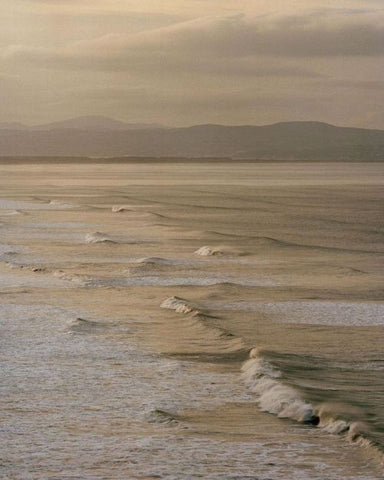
100	382
81	402
314	312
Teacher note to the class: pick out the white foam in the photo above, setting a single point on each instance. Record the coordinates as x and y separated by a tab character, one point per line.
97	237
206	251
60	204
179	305
335	426
273	395
121	209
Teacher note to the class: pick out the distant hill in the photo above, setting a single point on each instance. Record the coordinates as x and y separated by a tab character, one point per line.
93	122
87	122
100	137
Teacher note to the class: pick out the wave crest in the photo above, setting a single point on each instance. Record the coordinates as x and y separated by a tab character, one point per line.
98	237
120	209
81	326
273	395
285	401
207	251
179	305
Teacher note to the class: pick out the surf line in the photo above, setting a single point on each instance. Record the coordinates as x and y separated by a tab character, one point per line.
285	401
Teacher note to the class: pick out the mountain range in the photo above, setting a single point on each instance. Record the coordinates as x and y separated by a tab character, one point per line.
86	122
95	136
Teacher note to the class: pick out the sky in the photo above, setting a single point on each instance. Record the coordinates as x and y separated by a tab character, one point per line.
185	62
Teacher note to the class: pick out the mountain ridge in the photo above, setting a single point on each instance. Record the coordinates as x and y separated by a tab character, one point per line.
91	122
297	140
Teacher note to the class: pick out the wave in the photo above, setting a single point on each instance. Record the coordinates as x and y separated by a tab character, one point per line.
162	417
61	204
264	241
121	209
205	336
270	241
98	237
277	397
180	305
138	210
149	265
273	396
10	213
206	251
154	261
159	215
82	280
82	326
322	312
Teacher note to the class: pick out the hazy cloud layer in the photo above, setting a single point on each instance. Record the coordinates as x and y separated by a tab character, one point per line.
224	63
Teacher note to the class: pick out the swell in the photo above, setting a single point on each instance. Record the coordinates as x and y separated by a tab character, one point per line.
277	396
275	390
98	237
195	332
81	326
265	241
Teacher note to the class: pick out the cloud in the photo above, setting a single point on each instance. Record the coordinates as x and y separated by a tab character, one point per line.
227	44
233	68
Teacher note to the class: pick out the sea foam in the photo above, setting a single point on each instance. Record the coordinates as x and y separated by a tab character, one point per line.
98	237
273	395
207	251
179	305
276	397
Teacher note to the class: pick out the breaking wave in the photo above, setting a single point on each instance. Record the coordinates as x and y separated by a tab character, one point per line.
98	237
273	396
206	251
60	204
180	305
162	417
121	209
82	326
278	397
204	335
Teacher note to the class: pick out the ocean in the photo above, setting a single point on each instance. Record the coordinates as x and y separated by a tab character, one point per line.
189	320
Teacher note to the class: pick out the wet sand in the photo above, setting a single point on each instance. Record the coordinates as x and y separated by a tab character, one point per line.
132	296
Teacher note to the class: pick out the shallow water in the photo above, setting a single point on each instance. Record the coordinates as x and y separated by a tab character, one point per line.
100	382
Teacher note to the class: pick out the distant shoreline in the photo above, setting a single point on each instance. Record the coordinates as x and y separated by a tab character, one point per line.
20	160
